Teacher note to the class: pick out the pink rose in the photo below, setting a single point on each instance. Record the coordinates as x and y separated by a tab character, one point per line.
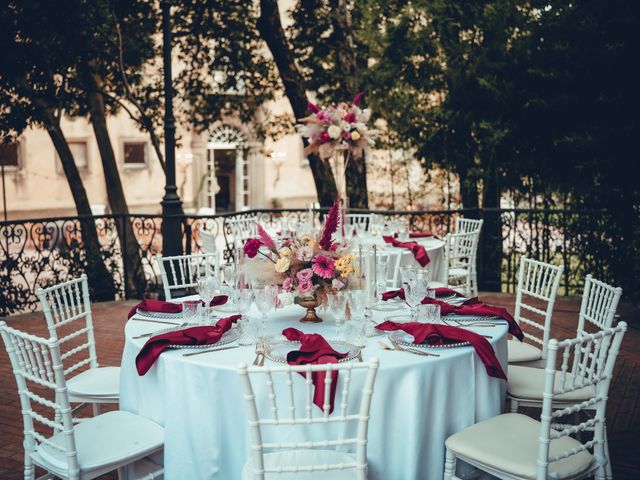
350	117
251	247
324	137
287	285
305	287
346	135
305	275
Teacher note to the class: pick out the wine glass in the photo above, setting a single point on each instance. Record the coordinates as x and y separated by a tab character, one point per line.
243	299
229	274
407	273
382	274
207	287
265	299
337	304
429	313
414	292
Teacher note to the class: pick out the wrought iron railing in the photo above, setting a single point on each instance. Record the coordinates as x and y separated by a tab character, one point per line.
40	252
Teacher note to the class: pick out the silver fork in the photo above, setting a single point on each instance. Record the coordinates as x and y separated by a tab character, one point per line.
259	353
414	351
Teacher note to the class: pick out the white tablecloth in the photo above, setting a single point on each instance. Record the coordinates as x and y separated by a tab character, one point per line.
417	402
433	246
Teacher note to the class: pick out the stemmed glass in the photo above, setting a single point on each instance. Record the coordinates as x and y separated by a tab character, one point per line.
207	287
382	274
337	305
356	325
265	301
414	292
243	299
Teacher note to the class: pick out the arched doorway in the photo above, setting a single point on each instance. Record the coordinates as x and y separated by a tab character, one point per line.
227	173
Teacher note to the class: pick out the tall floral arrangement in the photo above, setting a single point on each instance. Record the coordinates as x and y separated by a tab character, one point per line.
342	126
305	266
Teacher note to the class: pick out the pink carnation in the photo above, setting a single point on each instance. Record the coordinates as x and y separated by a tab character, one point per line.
305	275
350	117
323	267
287	285
324	137
251	247
305	287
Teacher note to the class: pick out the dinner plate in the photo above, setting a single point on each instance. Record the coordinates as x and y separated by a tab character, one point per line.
278	351
388	306
406	340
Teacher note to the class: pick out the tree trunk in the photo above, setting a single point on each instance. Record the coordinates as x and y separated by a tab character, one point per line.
99	278
270	29
347	64
134	280
490	267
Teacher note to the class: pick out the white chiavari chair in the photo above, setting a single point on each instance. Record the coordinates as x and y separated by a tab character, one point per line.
86	450
514	446
599	305
468	225
288	408
181	272
240	229
396	257
208	241
358	219
461	250
538	284
67	310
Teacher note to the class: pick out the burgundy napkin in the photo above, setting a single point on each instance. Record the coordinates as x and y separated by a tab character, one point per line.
440	291
443	335
205	335
159	306
475	307
418	250
316	350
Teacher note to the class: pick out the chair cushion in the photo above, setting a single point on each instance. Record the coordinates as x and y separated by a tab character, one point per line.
458	272
303	457
113	438
522	352
95	382
509	443
528	383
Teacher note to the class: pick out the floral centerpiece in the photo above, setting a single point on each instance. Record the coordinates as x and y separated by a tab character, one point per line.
338	127
306	269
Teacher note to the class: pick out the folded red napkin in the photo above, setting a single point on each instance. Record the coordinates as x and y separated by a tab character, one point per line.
418	250
443	335
440	292
205	335
421	235
475	307
316	350
159	306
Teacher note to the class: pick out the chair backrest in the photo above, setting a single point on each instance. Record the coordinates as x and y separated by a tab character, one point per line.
241	229
208	241
278	415
395	259
181	272
44	400
358	219
67	310
592	357
468	225
599	304
537	281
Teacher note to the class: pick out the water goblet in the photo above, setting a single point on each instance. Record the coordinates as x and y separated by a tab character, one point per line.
429	313
229	274
207	286
190	311
337	304
414	292
382	274
265	299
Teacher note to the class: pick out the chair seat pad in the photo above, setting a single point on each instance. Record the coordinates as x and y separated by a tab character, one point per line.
528	383
113	438
509	443
458	272
293	458
522	352
95	382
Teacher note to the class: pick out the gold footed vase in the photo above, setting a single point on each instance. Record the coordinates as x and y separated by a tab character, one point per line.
310	303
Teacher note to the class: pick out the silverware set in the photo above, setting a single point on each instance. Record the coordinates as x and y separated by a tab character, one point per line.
209	350
154	321
151	334
398	348
260	351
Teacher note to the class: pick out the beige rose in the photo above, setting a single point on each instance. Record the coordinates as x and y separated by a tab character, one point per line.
355	135
283	264
334	131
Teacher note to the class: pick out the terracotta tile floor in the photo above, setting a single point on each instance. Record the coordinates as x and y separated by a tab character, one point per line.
623	411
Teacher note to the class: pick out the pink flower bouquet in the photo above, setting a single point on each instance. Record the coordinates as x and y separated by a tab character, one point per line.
304	266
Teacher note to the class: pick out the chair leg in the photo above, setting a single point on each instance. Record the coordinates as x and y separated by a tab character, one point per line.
608	471
450	465
96	409
514	405
122	473
29	467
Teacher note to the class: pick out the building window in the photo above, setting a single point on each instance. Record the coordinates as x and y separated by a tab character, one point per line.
135	153
9	155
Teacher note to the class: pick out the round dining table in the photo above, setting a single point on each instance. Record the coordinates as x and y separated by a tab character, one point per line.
417	401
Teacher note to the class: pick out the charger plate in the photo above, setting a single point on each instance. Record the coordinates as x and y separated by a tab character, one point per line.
227	337
163	315
278	351
405	339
